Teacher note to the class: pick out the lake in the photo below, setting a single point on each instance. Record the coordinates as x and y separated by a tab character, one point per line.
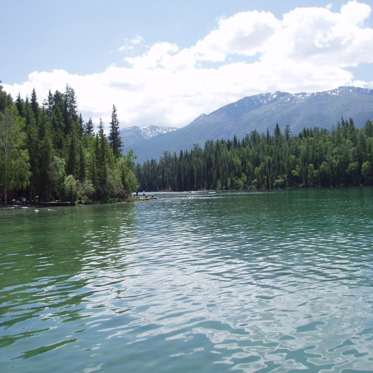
266	282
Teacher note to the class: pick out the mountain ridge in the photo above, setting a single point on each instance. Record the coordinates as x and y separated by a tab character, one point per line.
132	135
262	112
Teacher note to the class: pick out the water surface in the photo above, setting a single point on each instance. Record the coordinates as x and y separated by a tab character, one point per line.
271	282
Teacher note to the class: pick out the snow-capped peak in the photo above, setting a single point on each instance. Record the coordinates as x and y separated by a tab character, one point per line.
151	131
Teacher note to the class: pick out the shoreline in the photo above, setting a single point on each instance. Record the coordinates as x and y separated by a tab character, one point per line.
152	195
59	204
286	189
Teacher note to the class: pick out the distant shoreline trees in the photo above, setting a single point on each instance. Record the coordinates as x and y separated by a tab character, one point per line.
48	152
313	158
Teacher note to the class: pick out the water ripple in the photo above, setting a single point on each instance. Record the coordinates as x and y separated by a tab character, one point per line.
267	282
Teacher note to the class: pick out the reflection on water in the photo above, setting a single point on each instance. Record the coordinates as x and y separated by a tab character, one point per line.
272	282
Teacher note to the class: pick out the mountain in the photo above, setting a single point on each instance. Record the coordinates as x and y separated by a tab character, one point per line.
262	112
131	136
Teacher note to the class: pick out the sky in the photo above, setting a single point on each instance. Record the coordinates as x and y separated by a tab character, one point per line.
165	62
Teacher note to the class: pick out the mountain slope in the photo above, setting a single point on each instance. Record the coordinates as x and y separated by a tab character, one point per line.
131	136
262	112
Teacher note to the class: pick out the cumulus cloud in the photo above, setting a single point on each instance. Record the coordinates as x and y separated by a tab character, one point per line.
131	44
306	49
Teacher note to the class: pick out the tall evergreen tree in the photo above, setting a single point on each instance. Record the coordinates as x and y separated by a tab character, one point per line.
82	164
81	125
48	152
34	104
89	128
72	166
5	99
114	136
70	109
101	163
14	158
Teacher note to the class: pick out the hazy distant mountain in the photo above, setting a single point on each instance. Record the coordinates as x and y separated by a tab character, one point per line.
132	136
262	112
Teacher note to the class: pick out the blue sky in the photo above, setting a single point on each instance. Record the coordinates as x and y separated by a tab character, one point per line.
84	38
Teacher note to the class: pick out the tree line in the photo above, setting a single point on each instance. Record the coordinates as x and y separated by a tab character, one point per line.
48	152
342	156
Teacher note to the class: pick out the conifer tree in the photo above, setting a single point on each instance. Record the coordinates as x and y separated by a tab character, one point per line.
34	104
114	136
70	109
89	128
14	157
82	164
101	163
48	152
81	125
72	165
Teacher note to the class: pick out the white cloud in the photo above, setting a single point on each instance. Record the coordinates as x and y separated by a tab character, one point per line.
132	44
307	49
244	33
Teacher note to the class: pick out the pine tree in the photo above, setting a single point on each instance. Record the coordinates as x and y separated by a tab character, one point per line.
70	109
49	152
89	127
32	142
45	158
5	99
114	136
50	103
35	105
81	125
14	157
82	164
20	106
72	165
101	163
45	180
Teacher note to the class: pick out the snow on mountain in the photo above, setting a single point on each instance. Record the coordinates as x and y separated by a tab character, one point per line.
131	136
151	131
259	112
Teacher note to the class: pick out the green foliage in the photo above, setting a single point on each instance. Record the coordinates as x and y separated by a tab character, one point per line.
57	175
70	188
86	192
14	157
89	127
314	157
367	172
114	135
40	145
127	176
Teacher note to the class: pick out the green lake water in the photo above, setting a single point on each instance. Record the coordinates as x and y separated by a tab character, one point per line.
267	282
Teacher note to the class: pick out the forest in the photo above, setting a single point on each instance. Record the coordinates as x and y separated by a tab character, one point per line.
273	160
48	153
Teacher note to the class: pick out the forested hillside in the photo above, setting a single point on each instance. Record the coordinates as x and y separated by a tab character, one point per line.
48	152
314	157
261	112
